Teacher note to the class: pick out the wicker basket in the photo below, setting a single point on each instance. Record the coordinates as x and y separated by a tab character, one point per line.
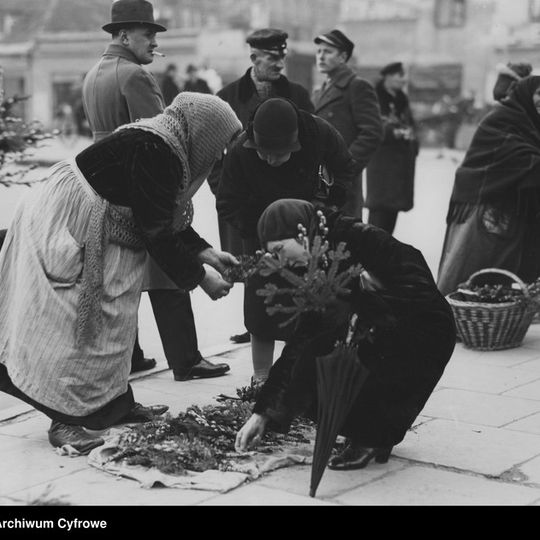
491	326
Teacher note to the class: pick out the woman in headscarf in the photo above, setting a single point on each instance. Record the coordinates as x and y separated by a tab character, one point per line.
405	336
73	261
493	219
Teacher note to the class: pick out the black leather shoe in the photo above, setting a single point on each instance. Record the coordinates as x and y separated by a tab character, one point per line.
203	370
358	457
142	364
140	413
75	436
241	338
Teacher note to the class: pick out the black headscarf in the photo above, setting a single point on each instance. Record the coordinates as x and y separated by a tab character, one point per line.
280	220
503	160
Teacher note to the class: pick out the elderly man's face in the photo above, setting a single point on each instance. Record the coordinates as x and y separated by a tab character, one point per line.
267	66
141	41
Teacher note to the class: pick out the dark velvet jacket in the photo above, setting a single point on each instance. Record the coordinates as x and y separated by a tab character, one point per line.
248	184
412	339
139	170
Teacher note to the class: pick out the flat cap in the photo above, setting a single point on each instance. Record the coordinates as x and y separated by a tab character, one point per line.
336	38
270	40
394	67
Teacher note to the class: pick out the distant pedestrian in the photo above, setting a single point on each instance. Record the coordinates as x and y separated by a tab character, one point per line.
494	213
390	173
169	88
349	103
263	80
194	83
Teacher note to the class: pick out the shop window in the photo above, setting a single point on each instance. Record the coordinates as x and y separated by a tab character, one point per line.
450	13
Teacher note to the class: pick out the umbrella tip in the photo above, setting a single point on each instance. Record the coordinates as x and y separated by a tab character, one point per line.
312	492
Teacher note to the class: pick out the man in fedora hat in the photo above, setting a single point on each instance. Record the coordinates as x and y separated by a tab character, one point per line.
278	157
116	91
349	103
263	80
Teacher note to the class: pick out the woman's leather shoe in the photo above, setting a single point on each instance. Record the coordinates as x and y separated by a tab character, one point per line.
75	436
358	457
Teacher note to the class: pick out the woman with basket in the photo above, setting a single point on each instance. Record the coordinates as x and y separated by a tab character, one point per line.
494	214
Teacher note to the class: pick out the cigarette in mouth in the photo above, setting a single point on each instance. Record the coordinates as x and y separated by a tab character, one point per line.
155	53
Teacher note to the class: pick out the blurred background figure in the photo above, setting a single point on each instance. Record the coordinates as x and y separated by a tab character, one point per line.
194	83
169	88
349	103
390	173
508	75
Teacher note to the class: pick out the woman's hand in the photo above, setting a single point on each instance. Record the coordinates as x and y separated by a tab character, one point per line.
251	433
219	260
214	285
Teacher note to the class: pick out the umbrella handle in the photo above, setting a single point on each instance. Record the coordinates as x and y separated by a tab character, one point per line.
352	328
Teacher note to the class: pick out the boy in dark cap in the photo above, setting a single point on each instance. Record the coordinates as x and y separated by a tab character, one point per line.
263	80
349	104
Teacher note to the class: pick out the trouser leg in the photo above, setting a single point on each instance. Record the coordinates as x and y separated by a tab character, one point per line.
109	415
176	326
384	219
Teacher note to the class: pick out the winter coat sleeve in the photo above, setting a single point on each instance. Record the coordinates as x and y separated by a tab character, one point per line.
142	94
339	162
236	204
367	118
153	195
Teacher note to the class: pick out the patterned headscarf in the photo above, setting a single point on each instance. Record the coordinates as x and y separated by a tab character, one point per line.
197	127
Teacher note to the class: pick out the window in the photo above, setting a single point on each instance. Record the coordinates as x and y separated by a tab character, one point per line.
450	13
534	10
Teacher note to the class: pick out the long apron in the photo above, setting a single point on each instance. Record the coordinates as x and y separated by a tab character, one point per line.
41	266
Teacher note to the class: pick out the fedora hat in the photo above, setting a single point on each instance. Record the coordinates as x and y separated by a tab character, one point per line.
132	12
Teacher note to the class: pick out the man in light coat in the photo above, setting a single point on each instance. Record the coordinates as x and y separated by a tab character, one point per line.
116	91
350	104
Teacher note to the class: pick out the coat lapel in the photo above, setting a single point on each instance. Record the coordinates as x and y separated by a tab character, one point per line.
334	91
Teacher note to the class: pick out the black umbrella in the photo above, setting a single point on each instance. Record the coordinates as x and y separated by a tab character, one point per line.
340	376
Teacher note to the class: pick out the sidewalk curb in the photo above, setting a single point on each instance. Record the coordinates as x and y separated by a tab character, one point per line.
18	411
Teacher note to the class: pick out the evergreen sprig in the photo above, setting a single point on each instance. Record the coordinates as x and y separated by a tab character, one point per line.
320	285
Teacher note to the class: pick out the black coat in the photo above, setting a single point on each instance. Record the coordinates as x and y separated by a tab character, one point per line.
412	341
242	97
248	184
390	173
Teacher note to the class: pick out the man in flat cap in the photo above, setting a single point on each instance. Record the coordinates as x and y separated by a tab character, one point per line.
116	91
349	103
263	80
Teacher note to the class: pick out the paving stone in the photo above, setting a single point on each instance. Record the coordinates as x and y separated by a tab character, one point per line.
479	449
476	408
26	463
418	485
530	365
480	377
94	487
526	391
258	495
33	426
530	424
531	469
297	479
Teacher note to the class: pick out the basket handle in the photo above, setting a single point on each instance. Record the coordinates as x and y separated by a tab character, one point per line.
506	273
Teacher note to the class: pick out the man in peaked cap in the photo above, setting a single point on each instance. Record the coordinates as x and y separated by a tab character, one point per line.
263	80
349	103
116	91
